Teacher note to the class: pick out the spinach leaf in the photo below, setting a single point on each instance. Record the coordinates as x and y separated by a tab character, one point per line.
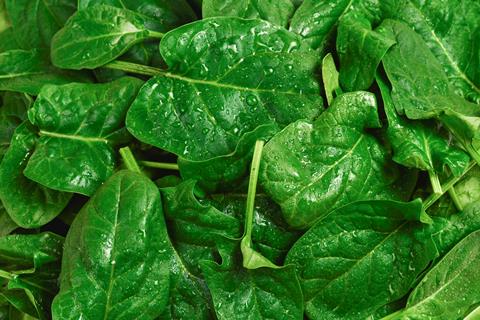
276	11
360	46
4	20
116	258
309	169
418	145
7	40
27	71
447	28
79	125
421	90
29	204
259	294
35	22
381	239
7	225
90	40
450	288
228	77
12	113
330	78
316	20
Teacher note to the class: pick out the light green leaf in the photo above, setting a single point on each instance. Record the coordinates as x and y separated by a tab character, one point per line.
79	125
330	77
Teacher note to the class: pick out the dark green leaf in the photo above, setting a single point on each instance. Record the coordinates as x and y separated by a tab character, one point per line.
451	288
116	260
6	223
90	39
447	28
309	169
7	40
251	294
35	22
29	204
361	257
27	71
79	124
241	76
276	11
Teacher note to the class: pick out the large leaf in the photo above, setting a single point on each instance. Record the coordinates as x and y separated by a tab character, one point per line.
360	46
79	125
116	257
417	144
421	90
12	113
240	293
228	77
28	70
309	169
451	288
29	204
316	20
447	28
35	22
361	257
90	39
170	13
275	11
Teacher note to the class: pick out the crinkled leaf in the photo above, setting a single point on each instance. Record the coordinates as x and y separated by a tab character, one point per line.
316	20
417	144
29	204
28	71
451	288
259	294
447	27
79	125
35	22
218	92
90	39
309	169
361	257
276	11
360	46
116	259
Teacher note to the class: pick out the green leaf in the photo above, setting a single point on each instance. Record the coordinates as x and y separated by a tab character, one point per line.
90	39
447	28
421	90
4	20
251	294
330	77
276	11
21	253
29	204
361	257
79	125
474	315
27	71
12	113
451	288
7	40
418	145
309	169
169	13
35	22
246	64
116	259
360	46
7	225
316	20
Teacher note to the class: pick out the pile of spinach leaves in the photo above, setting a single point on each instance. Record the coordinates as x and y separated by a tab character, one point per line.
240	159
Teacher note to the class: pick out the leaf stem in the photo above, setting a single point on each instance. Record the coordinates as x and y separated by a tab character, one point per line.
6	275
134	68
159	165
435	182
450	183
155	34
454	196
129	160
473	152
252	190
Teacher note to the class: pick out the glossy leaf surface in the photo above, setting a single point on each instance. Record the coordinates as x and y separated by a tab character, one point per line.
116	257
79	125
276	11
381	239
309	169
29	204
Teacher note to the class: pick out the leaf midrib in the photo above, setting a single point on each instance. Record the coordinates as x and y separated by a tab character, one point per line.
72	137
